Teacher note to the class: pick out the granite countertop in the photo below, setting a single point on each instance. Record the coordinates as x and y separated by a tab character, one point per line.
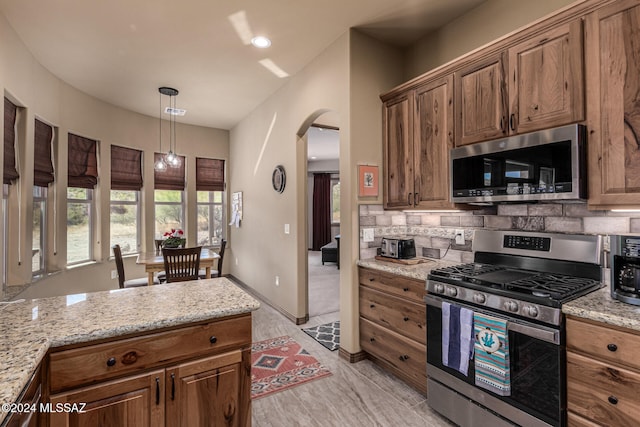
415	271
599	306
29	328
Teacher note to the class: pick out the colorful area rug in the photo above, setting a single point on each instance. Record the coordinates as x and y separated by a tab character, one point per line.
280	363
328	334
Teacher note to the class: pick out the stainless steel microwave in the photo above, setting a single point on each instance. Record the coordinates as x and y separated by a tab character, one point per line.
543	165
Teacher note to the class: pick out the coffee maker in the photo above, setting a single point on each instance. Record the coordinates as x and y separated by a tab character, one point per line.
625	269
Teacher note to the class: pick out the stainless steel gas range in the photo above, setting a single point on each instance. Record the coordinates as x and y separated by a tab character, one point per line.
495	329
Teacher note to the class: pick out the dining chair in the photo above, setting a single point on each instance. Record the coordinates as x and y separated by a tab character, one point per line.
158	243
132	283
218	272
181	264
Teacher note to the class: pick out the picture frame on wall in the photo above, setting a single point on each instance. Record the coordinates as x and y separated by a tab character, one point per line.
368	181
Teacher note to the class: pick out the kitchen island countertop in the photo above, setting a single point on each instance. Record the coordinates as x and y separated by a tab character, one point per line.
29	328
600	307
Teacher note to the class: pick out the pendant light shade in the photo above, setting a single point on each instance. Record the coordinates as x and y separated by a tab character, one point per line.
171	159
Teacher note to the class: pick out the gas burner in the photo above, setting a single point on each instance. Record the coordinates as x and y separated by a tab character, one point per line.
464	271
555	286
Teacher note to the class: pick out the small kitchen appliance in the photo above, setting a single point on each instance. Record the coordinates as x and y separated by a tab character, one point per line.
398	248
519	281
625	269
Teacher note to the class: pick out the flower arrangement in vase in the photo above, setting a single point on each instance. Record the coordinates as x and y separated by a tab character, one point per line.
174	239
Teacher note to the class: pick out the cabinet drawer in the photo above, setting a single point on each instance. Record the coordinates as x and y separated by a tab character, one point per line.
412	289
401	316
403	354
574	420
94	363
602	392
613	345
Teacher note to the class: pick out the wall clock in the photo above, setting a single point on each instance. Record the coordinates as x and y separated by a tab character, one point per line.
278	179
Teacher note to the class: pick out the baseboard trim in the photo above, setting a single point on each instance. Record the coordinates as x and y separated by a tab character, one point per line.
258	295
351	357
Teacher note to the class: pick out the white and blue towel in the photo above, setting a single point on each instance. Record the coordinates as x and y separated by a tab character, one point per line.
457	337
492	354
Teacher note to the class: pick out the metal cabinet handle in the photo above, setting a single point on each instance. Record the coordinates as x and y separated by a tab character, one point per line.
406	319
512	121
404	357
612	347
409	199
372	339
613	400
372	306
173	386
213	339
111	361
416	199
502	120
405	289
157	391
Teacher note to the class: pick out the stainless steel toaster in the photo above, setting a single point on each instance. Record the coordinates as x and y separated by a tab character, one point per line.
397	247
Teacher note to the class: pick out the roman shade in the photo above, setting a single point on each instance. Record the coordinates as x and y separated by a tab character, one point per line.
171	178
126	168
209	174
83	162
9	171
42	163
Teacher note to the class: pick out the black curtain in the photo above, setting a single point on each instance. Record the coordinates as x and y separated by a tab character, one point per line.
321	210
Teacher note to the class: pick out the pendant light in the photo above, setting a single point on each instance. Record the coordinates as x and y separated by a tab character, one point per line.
171	158
160	165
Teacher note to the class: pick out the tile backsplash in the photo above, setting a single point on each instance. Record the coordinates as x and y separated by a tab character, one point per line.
436	230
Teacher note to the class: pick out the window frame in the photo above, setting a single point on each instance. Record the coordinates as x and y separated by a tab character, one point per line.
211	204
42	254
90	202
138	225
335	180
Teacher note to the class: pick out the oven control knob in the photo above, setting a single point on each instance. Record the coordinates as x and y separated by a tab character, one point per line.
479	298
452	292
511	306
530	311
438	288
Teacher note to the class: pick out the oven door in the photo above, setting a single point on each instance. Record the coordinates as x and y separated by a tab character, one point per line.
537	365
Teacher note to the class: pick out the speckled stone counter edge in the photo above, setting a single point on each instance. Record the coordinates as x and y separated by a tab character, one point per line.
600	307
34	326
415	271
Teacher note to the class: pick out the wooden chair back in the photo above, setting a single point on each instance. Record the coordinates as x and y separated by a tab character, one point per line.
223	244
181	264
117	255
158	243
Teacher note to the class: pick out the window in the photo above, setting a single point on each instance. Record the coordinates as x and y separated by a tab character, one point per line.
82	178
335	201
79	225
126	183
169	197
169	211
9	174
210	192
39	231
210	218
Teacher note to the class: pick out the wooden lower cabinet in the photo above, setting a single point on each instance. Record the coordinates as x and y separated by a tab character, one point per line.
603	374
133	401
203	378
393	324
31	396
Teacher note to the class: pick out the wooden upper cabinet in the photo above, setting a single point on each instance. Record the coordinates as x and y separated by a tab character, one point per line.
398	151
481	100
546	83
433	139
535	84
418	134
613	101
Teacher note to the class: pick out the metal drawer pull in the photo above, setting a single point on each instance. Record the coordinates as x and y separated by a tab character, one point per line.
213	340
111	361
405	289
173	386
404	358
372	339
372	306
612	347
613	400
157	391
406	319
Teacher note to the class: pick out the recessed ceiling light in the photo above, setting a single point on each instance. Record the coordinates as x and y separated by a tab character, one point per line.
313	157
261	42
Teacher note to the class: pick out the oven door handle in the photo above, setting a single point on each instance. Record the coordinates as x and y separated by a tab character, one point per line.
535	331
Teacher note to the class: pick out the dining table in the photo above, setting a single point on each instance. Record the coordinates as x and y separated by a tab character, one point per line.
154	262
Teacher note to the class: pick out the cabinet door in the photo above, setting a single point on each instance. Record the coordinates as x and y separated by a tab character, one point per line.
208	392
432	140
136	401
398	152
481	96
546	85
31	396
613	99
